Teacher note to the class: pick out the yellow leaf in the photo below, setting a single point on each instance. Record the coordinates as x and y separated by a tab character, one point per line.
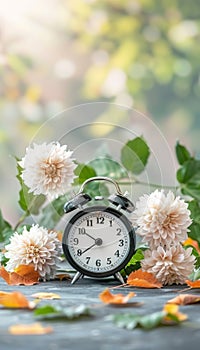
44	295
34	328
108	298
143	279
173	310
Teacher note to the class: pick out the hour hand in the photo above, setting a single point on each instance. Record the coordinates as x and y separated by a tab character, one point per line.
87	234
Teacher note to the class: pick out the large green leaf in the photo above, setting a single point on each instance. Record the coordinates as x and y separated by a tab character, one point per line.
28	202
194	229
106	166
189	178
5	229
83	172
134	155
182	153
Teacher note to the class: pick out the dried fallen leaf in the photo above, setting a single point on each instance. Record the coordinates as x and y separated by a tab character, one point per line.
62	276
24	274
193	243
15	300
108	298
143	279
193	284
25	329
185	299
173	314
44	295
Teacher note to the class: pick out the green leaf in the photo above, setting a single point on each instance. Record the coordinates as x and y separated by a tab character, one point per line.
134	155
194	229
28	202
5	229
152	321
194	208
83	172
106	166
134	263
189	178
182	153
128	321
131	321
59	312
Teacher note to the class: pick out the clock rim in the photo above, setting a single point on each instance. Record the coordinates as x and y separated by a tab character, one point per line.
130	230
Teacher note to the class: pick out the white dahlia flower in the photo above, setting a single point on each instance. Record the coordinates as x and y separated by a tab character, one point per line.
161	219
48	169
36	247
169	266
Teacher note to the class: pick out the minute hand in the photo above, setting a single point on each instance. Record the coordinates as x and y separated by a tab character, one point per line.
89	248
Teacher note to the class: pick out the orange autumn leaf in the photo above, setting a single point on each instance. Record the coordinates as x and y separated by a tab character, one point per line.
25	329
185	299
193	284
15	300
191	242
143	279
44	295
24	274
108	298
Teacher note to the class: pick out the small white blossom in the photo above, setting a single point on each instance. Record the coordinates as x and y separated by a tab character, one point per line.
36	247
48	169
169	266
161	219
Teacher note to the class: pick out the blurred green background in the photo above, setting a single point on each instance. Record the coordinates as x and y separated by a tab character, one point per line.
55	54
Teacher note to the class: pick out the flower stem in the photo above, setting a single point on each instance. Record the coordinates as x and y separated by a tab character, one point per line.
137	182
21	219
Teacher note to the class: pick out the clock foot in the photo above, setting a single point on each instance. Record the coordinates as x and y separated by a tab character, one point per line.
76	277
119	277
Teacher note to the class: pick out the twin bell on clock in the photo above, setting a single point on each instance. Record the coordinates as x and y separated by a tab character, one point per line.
99	240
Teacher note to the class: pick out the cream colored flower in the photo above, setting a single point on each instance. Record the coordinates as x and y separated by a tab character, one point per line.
37	247
162	219
48	169
171	265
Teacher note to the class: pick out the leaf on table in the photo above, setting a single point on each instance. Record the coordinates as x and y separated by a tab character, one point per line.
58	312
108	298
193	284
131	321
185	299
44	295
25	329
143	279
24	274
172	314
15	300
169	316
62	276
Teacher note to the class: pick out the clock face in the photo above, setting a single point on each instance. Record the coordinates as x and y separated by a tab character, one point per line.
99	241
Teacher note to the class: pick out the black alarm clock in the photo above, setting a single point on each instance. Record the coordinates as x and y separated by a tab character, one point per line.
99	240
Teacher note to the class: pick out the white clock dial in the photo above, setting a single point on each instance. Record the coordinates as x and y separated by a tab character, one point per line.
98	241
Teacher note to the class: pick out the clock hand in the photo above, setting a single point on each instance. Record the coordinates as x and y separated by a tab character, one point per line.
98	242
88	248
87	234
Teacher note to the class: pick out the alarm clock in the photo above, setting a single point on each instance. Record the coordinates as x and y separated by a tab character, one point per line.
99	240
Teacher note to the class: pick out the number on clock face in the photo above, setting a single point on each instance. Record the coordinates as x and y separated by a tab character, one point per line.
98	241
